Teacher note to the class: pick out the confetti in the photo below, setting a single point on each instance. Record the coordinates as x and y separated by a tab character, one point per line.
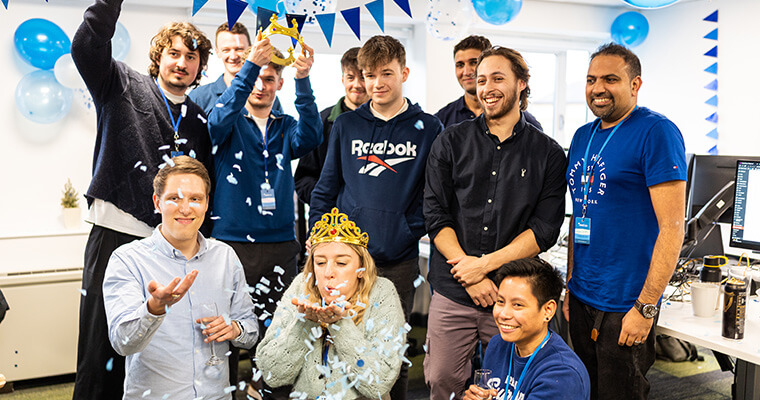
137	164
168	160
418	281
200	117
452	396
143	168
237	167
241	385
231	179
250	239
161	166
239	155
278	270
215	217
419	125
262	211
267	322
181	141
164	147
170	203
146	393
109	365
219	105
248	201
360	270
259	85
265	153
165	396
360	304
279	158
183	110
229	389
424	348
196	205
179	193
214	149
83	292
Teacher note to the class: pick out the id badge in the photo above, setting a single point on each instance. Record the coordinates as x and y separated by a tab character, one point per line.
267	198
177	153
582	230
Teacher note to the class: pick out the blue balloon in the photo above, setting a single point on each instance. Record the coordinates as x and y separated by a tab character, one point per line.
120	42
41	99
629	29
497	12
650	4
40	42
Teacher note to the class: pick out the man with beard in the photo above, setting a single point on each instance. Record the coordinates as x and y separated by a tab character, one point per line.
466	54
494	192
626	176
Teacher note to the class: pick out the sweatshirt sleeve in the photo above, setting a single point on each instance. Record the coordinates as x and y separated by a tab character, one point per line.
130	325
308	130
375	352
221	119
91	50
281	354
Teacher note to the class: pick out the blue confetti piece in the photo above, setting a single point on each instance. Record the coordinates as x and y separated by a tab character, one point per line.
109	365
267	322
360	363
419	125
231	179
239	155
195	44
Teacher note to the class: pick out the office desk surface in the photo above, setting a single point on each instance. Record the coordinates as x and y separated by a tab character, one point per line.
677	319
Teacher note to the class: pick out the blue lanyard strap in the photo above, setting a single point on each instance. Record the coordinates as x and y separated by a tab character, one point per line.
175	124
266	152
527	365
586	176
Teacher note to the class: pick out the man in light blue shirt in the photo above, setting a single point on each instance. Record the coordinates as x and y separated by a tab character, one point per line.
161	323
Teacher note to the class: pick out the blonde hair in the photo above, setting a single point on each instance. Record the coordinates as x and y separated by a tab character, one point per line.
366	281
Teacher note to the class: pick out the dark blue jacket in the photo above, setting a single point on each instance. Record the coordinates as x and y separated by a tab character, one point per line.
206	96
239	161
375	173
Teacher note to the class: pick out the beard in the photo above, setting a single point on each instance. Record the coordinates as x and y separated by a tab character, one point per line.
510	100
603	113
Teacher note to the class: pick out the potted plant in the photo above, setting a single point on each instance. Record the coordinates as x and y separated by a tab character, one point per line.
72	214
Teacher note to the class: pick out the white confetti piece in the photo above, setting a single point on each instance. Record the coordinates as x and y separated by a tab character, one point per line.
137	164
418	281
143	168
168	160
170	203
179	193
360	304
161	166
231	179
215	217
248	201
196	205
181	141
452	396
419	125
259	85
239	155
165	396
183	109
83	292
241	385
219	105
237	167
250	239
191	154
278	270
164	147
279	158
265	153
264	212
214	149
229	389
200	117
264	281
146	393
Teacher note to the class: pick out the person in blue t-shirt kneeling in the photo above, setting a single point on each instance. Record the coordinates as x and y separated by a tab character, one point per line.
535	361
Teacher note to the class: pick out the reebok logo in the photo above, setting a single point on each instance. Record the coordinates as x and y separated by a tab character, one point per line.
375	165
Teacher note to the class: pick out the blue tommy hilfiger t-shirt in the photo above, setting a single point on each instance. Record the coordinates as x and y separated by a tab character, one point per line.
648	149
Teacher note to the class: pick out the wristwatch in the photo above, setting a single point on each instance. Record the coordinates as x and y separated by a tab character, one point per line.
648	311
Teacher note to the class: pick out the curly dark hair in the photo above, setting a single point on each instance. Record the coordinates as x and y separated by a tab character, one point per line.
192	37
519	68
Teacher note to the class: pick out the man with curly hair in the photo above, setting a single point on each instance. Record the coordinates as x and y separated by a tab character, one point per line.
142	122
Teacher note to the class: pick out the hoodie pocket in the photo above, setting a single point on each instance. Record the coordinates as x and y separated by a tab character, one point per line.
390	238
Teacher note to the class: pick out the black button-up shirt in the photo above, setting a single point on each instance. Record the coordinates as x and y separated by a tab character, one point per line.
457	111
489	192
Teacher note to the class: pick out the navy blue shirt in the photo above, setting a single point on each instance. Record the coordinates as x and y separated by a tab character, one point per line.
457	111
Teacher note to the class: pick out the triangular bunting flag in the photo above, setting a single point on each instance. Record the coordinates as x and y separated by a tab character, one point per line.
376	9
712	52
351	15
712	118
713	134
713	69
712	85
235	8
265	4
327	24
712	17
300	19
262	18
197	4
5	3
712	101
712	35
404	4
713	151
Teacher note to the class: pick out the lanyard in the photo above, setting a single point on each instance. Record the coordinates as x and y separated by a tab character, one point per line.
527	365
586	177
175	124
266	152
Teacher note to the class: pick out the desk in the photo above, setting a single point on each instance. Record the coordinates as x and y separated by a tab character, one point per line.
677	320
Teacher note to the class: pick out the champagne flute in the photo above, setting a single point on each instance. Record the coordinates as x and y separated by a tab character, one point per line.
209	310
482	376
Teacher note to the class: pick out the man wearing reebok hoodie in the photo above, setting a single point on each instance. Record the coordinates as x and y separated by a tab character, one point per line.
375	170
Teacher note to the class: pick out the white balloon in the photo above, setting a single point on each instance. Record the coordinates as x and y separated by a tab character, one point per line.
449	19
66	73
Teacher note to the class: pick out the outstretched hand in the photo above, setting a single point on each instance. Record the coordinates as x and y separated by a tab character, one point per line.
261	52
304	62
163	296
325	315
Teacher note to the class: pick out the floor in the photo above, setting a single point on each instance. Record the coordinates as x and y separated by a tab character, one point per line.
698	380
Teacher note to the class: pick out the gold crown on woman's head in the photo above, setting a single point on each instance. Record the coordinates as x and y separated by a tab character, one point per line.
336	227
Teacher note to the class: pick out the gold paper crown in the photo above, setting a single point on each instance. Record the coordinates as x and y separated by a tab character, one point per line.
275	28
336	227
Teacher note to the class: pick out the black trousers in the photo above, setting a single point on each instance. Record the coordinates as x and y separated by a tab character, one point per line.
259	261
616	372
402	275
93	380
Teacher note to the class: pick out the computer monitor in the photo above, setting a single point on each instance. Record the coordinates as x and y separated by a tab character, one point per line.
745	227
709	174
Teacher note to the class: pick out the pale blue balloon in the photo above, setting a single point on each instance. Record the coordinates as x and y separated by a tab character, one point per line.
497	12
41	99
40	42
120	42
629	29
650	4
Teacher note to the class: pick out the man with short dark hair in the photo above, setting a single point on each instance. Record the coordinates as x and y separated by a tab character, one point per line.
142	122
310	165
138	305
466	54
231	45
375	167
627	177
494	192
